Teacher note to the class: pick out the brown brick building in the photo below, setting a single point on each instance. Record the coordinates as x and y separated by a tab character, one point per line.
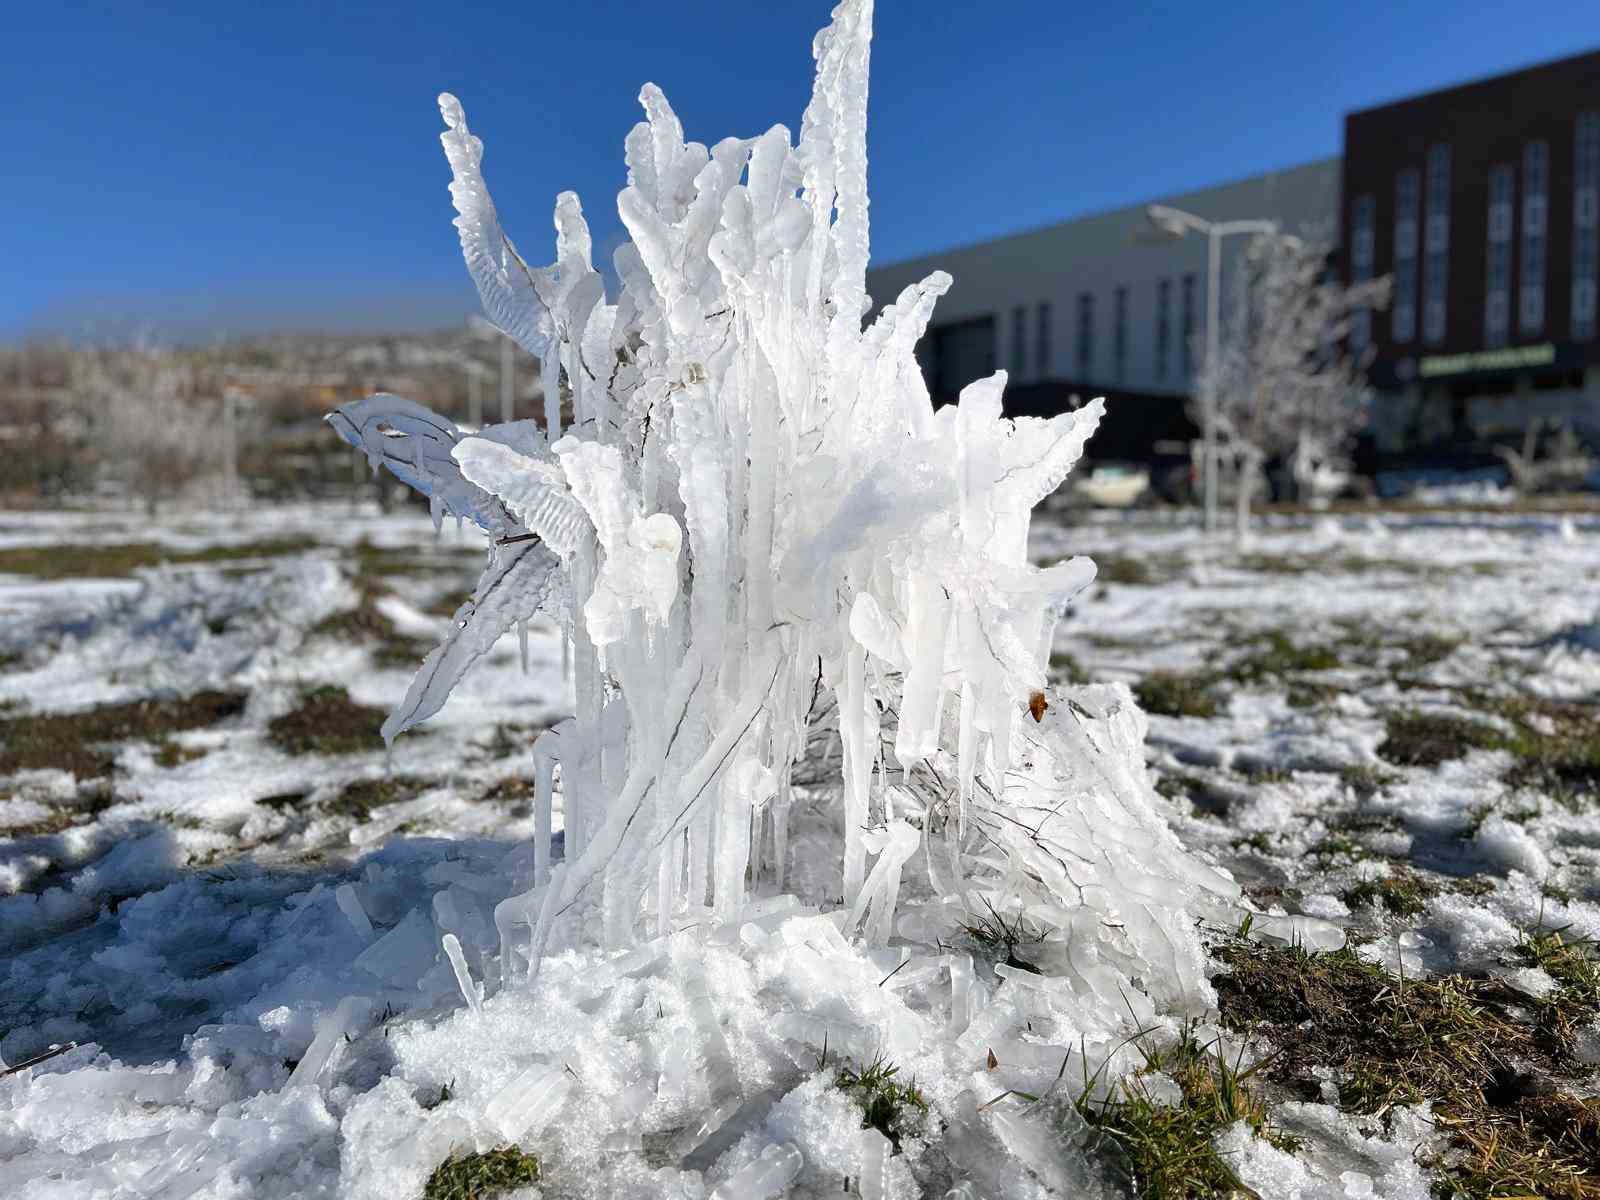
1481	202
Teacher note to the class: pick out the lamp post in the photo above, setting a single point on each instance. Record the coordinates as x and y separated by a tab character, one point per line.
1171	224
475	374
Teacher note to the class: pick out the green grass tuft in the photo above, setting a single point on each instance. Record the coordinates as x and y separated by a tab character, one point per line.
482	1176
895	1109
1177	694
1166	1151
1417	739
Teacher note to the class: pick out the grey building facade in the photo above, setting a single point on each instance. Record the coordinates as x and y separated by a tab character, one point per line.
1088	306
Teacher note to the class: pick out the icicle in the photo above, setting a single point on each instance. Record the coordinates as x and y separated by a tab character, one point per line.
546	753
854	731
458	964
780	834
541	933
550	378
918	733
966	755
882	887
522	643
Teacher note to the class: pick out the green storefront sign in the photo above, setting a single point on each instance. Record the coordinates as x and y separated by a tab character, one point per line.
1510	358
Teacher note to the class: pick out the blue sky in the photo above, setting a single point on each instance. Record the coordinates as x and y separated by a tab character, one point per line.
208	168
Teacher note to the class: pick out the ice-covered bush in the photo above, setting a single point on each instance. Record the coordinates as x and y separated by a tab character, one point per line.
761	538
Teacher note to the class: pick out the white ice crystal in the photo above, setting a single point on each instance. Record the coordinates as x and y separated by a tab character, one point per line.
762	539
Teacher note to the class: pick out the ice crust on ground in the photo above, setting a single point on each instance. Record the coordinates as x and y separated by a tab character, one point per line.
225	975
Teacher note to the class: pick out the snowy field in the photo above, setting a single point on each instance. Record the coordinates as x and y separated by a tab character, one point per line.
215	882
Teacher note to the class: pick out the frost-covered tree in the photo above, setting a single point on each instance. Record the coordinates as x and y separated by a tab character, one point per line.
1285	381
157	431
767	549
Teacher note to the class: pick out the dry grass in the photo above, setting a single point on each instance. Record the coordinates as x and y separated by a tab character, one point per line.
82	743
67	560
1491	1068
327	721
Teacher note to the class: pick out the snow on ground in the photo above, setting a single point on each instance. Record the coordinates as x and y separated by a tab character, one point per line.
215	881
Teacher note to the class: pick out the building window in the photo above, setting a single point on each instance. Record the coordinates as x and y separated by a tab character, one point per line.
1403	317
1119	334
1085	336
1042	342
1363	218
1163	326
1436	244
1585	203
1535	211
1497	283
1186	326
1019	341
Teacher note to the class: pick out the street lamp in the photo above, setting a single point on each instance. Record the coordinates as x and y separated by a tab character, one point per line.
1170	224
475	373
233	403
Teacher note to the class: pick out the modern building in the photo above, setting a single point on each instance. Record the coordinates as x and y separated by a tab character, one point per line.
1481	202
1091	305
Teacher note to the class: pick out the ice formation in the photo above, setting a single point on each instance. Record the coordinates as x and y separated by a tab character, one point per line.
764	543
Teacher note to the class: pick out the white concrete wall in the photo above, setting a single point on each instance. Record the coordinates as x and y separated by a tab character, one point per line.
1097	254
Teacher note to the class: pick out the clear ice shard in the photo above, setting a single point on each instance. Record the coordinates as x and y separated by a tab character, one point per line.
768	1176
331	1031
350	905
875	1152
724	1094
463	974
530	1101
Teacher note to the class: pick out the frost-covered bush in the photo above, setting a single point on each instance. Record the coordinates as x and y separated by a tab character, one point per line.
756	518
142	404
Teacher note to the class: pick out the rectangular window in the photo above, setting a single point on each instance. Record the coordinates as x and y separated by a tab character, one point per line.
1163	326
1436	244
1535	213
1119	334
1585	218
1019	341
1085	336
1363	219
1403	317
1041	340
1186	326
1497	282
